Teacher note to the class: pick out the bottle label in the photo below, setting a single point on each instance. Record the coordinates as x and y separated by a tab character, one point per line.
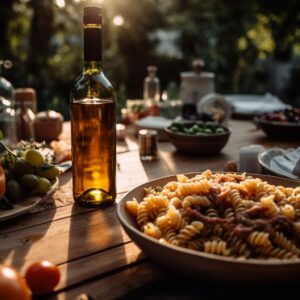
92	44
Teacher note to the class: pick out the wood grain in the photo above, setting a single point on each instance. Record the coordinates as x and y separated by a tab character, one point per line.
82	269
63	240
118	284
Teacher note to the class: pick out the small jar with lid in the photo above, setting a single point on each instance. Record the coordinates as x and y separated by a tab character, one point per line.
25	101
48	125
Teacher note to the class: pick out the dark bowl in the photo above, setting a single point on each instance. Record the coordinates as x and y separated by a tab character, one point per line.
278	129
199	144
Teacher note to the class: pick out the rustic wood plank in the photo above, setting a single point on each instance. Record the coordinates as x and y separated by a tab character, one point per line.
63	240
98	264
34	219
117	285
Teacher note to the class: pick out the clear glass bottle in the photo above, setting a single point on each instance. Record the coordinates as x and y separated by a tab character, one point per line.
7	113
93	122
152	85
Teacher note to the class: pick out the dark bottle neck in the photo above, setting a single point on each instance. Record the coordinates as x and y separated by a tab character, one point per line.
92	47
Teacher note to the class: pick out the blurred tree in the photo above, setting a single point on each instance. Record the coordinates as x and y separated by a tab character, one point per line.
6	15
43	38
284	23
212	30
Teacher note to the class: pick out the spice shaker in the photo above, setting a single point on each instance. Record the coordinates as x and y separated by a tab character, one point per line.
148	144
25	101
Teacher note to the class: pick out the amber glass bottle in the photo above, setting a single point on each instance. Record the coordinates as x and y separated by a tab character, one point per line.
93	122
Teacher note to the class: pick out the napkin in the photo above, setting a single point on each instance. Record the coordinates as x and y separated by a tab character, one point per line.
289	161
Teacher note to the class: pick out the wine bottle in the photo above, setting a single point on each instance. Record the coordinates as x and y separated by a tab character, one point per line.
93	122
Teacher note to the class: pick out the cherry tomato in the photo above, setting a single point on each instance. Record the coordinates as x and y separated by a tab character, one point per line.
2	182
12	285
42	277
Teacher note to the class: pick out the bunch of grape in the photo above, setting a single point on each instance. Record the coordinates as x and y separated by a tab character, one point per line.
26	175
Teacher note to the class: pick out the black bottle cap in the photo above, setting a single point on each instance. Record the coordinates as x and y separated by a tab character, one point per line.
92	15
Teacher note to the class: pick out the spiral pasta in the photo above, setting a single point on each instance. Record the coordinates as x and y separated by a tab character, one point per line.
223	214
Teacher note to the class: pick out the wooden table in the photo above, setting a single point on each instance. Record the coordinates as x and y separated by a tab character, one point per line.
93	252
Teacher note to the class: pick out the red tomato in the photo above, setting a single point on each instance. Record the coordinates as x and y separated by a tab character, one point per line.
42	277
12	285
2	182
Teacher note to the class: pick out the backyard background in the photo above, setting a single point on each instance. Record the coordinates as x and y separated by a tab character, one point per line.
252	46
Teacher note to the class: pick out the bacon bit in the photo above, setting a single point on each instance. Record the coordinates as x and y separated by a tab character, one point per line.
282	223
196	215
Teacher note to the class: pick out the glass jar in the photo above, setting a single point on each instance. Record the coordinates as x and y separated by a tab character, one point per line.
7	113
152	85
25	99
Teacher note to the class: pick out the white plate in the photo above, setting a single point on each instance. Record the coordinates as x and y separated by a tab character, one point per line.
26	205
265	159
202	265
250	105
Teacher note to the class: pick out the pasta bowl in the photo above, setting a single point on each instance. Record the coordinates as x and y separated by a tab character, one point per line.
203	265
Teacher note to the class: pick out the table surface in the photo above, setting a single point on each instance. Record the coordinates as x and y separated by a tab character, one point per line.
94	254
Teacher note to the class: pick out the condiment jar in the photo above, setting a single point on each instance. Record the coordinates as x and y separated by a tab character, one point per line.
195	85
25	101
48	125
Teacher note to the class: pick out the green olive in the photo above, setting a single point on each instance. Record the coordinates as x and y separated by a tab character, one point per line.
8	174
179	126
48	171
44	185
200	124
22	167
196	128
207	131
13	191
29	182
174	129
33	157
220	130
210	125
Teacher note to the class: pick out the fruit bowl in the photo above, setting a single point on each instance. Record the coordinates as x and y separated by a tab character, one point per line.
281	124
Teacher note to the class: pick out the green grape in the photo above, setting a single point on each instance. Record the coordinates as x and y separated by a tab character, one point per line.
13	191
48	171
33	157
29	182
44	185
22	167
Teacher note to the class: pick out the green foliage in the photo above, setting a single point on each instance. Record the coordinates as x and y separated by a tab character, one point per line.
44	41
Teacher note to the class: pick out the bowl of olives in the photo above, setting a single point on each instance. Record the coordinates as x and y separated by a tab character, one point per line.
281	123
198	137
